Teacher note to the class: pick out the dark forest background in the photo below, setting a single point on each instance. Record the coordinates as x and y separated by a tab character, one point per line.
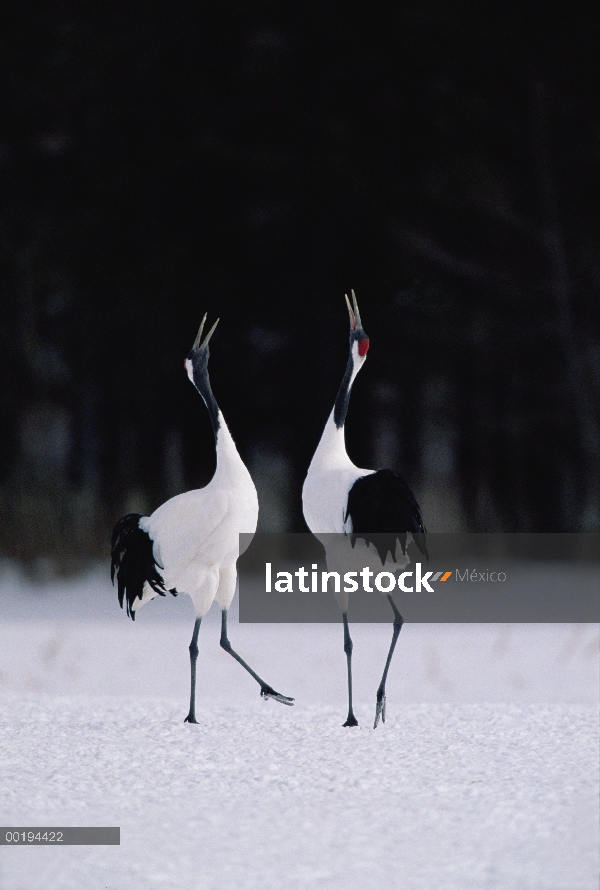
257	160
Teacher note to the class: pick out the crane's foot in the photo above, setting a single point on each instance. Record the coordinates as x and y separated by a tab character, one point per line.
191	718
268	692
351	721
379	709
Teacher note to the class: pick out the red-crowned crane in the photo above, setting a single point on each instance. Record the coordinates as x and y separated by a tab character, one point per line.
190	544
369	506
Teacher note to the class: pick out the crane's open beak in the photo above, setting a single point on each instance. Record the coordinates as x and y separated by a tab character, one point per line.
208	336
355	322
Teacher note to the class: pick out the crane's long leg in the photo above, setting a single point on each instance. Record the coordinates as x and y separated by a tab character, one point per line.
191	717
398	622
351	719
266	691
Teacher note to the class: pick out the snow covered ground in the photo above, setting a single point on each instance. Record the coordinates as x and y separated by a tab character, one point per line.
484	776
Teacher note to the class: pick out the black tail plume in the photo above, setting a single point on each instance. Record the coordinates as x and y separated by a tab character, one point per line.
133	562
383	510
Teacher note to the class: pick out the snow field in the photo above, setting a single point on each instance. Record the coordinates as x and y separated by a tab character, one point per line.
484	777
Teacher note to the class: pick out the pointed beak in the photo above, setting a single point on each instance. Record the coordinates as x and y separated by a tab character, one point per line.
355	322
351	313
197	344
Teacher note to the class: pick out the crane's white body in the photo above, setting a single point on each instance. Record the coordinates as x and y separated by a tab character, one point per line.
330	477
332	494
195	535
191	543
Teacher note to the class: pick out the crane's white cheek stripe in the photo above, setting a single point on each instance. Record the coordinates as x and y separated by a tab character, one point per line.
358	361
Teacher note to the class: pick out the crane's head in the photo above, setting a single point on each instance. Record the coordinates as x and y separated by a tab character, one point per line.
196	363
359	342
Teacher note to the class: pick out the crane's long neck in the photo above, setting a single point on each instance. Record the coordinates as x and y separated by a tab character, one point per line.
342	400
202	383
331	450
228	459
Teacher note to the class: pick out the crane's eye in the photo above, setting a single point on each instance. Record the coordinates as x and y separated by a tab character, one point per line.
363	346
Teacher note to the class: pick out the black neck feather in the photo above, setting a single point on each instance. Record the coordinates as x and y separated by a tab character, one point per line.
343	397
202	384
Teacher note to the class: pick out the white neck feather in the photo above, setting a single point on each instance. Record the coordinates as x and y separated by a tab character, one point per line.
331	451
230	465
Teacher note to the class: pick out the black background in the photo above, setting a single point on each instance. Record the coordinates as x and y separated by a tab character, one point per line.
257	160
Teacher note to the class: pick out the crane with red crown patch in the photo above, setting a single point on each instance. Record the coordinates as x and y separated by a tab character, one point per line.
373	507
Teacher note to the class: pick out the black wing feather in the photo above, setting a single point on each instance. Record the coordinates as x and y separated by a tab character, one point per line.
383	510
133	562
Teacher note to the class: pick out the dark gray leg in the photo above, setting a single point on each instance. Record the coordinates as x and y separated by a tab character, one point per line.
351	719
191	717
266	691
398	622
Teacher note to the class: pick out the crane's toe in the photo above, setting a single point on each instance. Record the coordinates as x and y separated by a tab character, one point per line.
190	719
268	692
380	709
